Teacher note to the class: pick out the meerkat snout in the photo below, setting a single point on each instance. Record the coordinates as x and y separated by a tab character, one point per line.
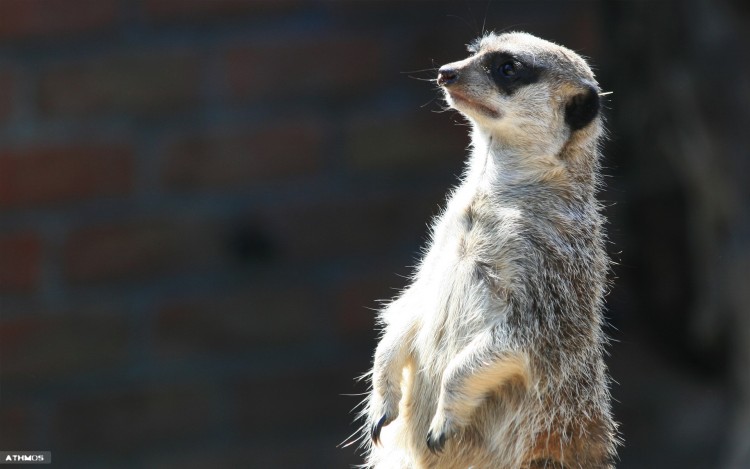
447	75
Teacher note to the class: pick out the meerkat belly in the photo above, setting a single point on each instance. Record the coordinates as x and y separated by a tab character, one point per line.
463	275
457	303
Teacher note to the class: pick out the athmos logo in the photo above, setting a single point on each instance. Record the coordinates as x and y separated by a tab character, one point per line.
25	457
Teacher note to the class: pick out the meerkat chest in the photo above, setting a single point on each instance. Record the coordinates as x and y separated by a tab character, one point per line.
468	264
474	230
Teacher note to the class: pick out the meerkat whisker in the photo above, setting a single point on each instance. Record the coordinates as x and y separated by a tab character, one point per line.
431	69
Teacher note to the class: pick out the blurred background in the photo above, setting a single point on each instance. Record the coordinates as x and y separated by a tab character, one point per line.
202	200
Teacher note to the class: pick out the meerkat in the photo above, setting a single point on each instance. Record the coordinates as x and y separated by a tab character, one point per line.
493	356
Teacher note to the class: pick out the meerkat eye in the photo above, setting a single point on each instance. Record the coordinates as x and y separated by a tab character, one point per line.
510	73
508	69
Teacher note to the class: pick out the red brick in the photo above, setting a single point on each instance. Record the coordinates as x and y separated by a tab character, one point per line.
586	33
35	18
136	420
44	348
425	52
14	427
140	84
203	10
51	174
359	298
318	451
233	159
351	227
249	319
406	142
299	452
20	255
306	401
305	65
205	456
139	250
7	89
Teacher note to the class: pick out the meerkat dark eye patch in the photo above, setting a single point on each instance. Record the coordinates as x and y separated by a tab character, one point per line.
510	73
582	108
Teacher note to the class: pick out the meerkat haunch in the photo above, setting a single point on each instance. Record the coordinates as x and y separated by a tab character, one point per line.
493	356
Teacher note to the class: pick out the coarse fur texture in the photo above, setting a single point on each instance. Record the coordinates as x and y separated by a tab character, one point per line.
493	356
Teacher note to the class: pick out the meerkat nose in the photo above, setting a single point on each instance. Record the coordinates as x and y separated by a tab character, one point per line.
447	76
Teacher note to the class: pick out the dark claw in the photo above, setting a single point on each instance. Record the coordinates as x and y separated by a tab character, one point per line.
375	431
435	445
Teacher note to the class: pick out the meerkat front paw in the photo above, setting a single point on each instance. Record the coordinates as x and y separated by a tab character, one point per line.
383	412
441	430
391	358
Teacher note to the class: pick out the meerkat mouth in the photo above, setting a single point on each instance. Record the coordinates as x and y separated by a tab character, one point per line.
463	100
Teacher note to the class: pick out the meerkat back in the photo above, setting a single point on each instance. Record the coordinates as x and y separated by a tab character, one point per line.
493	356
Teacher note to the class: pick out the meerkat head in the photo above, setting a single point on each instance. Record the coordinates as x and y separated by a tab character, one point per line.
524	92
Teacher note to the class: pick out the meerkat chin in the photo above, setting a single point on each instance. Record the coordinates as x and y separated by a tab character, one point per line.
493	356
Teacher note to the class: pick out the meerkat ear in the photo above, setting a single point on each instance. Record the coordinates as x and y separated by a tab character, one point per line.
582	108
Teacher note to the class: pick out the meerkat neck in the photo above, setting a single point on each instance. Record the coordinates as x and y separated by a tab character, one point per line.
481	169
496	166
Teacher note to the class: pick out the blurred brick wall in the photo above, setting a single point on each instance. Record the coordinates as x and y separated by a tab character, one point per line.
201	202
